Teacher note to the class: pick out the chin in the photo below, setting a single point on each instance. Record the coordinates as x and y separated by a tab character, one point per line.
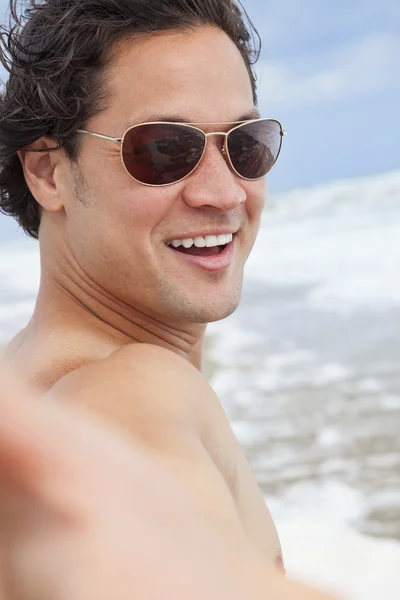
223	313
209	311
191	306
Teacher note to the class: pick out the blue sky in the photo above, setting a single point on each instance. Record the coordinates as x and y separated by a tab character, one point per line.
329	71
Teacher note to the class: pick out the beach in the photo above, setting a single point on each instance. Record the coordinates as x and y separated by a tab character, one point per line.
307	371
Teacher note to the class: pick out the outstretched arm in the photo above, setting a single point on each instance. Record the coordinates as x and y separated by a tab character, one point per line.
87	515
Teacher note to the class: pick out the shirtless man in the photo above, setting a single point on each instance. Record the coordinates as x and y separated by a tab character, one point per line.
101	518
125	296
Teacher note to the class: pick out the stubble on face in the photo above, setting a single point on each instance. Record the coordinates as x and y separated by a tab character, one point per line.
82	191
183	308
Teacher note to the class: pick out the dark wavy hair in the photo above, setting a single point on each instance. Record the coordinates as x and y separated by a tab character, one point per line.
56	52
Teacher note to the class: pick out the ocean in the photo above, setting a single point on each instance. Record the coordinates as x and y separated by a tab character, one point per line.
307	370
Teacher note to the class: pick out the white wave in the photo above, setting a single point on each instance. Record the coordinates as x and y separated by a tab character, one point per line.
321	545
20	268
342	239
19	277
378	194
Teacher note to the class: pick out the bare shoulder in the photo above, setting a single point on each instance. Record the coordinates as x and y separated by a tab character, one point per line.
139	378
158	397
168	406
165	404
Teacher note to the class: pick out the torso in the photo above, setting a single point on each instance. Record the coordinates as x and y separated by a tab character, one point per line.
229	489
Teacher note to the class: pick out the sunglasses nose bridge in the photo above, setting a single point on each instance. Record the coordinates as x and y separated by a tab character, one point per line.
224	134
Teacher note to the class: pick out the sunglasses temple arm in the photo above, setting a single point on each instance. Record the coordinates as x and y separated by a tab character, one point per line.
99	135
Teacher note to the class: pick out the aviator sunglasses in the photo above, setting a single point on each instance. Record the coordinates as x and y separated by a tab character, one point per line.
164	153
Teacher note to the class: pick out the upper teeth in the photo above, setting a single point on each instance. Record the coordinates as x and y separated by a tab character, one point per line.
203	242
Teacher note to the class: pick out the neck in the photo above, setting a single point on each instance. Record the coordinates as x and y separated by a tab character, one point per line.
69	306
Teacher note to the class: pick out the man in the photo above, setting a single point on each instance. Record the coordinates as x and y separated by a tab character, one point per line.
144	234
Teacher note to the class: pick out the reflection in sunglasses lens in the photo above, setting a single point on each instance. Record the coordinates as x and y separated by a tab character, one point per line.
162	153
254	148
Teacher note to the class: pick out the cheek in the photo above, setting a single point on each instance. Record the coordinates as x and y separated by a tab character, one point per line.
126	205
256	198
143	209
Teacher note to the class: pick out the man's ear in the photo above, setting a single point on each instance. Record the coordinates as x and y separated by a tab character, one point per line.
39	162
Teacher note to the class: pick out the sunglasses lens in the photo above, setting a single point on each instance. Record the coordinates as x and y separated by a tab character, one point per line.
162	153
254	147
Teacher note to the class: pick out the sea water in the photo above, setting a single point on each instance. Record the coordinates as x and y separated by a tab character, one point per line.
308	372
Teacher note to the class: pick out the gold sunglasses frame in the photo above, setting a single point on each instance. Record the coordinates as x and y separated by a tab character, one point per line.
224	150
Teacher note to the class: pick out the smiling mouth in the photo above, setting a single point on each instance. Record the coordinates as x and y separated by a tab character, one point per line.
212	258
203	247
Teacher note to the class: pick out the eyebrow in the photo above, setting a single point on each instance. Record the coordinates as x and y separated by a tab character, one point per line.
168	118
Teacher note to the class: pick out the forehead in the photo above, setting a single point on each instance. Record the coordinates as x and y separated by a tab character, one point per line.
198	75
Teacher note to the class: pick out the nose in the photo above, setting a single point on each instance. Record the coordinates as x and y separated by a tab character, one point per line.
214	183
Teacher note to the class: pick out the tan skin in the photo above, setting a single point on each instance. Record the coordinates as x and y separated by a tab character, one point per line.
102	518
120	320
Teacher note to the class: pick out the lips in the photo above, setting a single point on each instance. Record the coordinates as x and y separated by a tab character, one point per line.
212	262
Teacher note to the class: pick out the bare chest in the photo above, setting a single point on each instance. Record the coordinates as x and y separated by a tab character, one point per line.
251	508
